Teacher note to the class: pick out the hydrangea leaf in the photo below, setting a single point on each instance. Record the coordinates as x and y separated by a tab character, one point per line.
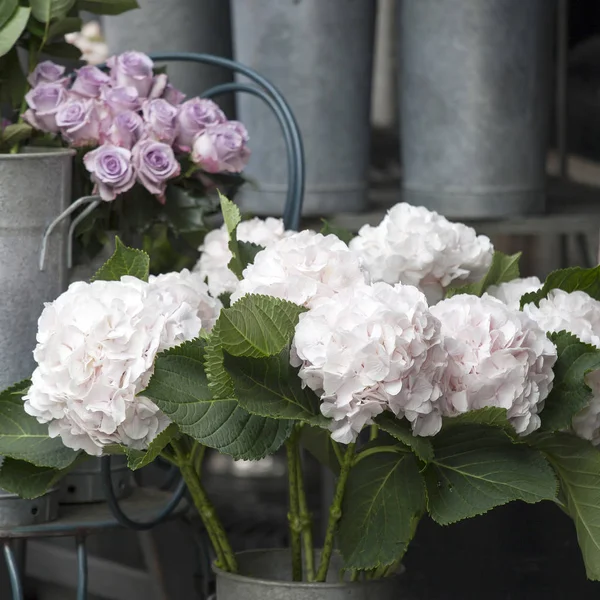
384	500
13	28
400	430
107	7
124	261
48	10
577	464
490	415
318	442
23	438
136	459
270	387
219	382
569	394
477	467
179	387
232	218
339	232
257	326
27	480
503	268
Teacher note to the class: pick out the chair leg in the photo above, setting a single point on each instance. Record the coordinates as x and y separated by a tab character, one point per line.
82	569
16	581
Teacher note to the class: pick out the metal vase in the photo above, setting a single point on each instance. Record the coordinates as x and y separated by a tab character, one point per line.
84	485
35	187
475	84
267	575
319	54
17	512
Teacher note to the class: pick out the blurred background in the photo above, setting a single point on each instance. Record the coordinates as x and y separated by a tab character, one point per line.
487	111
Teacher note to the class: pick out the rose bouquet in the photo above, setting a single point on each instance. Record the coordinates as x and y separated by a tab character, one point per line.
470	394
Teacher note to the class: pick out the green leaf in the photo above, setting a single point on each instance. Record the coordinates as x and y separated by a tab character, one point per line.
7	8
13	134
231	214
13	28
491	415
64	26
477	467
400	429
577	464
247	252
270	387
257	326
179	387
12	80
136	459
124	261
23	438
48	10
340	232
219	382
27	480
570	394
384	499
63	50
107	7
572	279
503	268
318	442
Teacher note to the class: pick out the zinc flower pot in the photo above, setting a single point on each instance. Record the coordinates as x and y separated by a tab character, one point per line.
35	188
266	575
319	54
475	87
18	512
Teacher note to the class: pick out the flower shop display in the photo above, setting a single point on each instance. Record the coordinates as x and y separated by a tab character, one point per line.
419	404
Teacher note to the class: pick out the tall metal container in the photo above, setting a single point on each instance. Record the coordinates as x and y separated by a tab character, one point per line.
475	85
34	189
319	54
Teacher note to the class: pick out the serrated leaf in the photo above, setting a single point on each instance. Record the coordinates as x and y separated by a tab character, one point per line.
107	7
477	468
570	280
64	26
27	480
318	442
48	10
7	8
340	232
400	430
231	213
503	268
136	459
13	134
179	387
577	464
219	382
124	261
23	438
257	326
491	415
570	394
384	497
270	387
247	252
13	28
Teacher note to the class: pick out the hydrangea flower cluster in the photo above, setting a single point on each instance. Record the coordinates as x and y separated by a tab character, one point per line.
96	348
139	124
511	292
215	254
415	246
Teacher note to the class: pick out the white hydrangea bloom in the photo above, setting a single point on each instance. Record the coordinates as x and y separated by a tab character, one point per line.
215	257
511	292
304	268
579	314
369	349
498	357
415	246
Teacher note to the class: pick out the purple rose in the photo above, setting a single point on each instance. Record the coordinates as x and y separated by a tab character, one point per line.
132	69
155	164
79	122
121	99
45	72
161	120
44	100
125	130
222	148
159	85
194	117
173	95
111	170
89	82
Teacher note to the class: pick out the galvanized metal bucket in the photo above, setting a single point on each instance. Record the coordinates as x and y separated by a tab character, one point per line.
35	187
266	575
319	54
18	512
475	85
84	484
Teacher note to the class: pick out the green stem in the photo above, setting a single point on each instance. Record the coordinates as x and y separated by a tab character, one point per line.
337	451
294	514
373	433
216	532
306	523
335	513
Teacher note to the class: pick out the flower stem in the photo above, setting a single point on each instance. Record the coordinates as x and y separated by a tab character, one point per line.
293	514
335	513
306	523
189	467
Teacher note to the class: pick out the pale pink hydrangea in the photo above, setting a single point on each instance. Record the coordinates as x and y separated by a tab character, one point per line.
498	357
511	292
415	246
370	349
304	268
